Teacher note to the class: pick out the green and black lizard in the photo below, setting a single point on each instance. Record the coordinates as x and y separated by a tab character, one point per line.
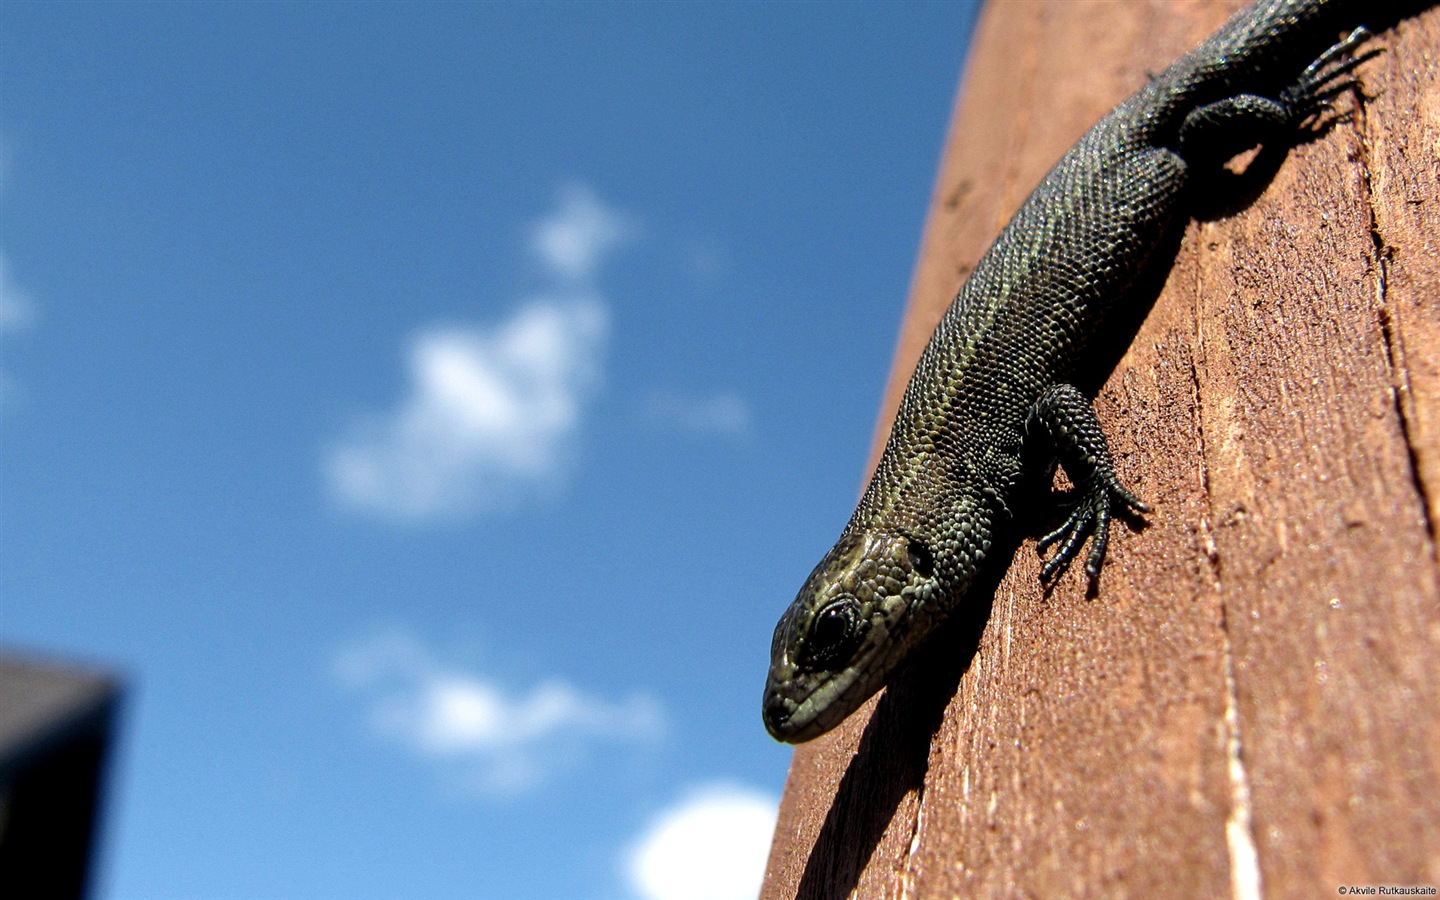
996	375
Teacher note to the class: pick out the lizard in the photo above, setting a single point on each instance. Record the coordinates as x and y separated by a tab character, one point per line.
995	380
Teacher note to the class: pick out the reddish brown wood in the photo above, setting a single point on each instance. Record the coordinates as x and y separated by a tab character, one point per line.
1250	704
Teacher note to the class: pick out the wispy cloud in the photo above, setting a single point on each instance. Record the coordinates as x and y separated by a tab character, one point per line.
492	738
17	312
711	845
492	411
724	414
574	240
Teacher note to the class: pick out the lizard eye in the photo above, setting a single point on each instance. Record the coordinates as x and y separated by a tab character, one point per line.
921	559
835	632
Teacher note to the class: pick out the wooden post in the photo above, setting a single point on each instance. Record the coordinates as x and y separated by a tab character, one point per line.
1249	705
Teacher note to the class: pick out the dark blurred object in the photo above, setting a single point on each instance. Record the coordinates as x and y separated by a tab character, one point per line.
56	727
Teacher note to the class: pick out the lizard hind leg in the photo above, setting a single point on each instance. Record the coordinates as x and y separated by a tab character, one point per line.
1215	132
1075	433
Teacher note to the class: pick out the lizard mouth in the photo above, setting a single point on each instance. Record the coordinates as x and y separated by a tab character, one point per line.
779	716
799	710
788	721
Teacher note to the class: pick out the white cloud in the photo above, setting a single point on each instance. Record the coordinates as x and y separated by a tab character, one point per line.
491	413
724	413
711	845
496	739
574	239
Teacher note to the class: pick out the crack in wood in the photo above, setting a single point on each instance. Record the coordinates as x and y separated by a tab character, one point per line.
1401	395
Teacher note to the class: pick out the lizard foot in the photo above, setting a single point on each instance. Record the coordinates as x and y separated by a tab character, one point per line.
1325	77
1091	516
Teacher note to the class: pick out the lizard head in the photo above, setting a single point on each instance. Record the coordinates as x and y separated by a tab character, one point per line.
846	631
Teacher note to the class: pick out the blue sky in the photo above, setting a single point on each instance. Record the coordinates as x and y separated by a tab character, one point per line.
429	409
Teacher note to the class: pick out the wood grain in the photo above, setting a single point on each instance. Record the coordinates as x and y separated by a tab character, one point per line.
1250	702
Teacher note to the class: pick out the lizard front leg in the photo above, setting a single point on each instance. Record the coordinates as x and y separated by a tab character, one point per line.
1069	419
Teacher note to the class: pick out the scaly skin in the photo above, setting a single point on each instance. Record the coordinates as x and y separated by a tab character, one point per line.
996	373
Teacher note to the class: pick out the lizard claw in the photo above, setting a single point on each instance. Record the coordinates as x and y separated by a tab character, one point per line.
1090	517
1325	78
